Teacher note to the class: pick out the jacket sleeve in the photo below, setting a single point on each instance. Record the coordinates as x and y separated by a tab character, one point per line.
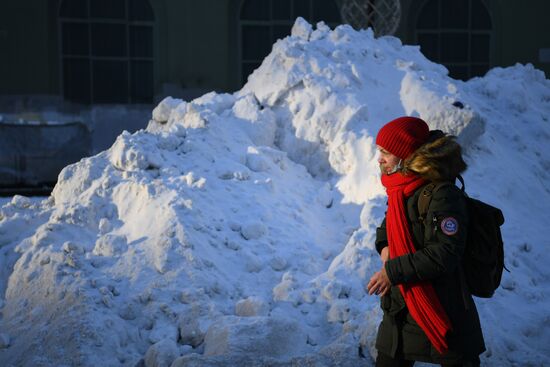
381	237
444	241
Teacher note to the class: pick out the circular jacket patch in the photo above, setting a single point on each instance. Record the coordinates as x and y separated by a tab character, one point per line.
449	226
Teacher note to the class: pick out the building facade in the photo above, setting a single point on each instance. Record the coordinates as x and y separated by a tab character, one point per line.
104	59
136	51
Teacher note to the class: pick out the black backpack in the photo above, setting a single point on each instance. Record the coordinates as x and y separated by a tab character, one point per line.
483	259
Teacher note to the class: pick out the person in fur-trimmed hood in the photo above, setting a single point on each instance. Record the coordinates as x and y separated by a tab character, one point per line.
428	316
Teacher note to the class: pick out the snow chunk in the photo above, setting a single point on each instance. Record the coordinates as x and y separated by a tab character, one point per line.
110	245
163	330
255	161
255	337
324	196
105	226
253	230
278	263
301	29
437	105
335	290
285	290
253	264
339	311
257	121
192	330
21	202
161	354
251	306
162	112
247	108
134	152
71	247
196	117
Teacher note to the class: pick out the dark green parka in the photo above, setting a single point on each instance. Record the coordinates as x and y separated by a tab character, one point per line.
437	259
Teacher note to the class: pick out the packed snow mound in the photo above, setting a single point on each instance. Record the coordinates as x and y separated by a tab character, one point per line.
333	90
238	229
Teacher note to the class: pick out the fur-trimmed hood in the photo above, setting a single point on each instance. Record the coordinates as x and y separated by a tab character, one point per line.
437	160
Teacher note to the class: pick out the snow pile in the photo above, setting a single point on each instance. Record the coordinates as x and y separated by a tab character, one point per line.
239	229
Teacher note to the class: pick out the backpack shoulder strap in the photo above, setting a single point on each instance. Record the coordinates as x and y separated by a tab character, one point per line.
461	179
424	200
425	197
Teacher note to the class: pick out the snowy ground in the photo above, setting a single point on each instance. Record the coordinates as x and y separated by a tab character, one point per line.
238	229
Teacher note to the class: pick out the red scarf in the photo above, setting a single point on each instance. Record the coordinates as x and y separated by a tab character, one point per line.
420	297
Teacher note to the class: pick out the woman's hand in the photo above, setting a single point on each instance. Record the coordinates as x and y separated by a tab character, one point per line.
379	283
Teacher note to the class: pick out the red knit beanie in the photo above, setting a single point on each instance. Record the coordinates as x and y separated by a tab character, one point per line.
402	136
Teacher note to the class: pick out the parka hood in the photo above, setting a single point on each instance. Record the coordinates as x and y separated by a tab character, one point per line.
438	160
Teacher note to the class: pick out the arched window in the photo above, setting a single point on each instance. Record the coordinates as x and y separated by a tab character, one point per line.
262	22
456	34
107	51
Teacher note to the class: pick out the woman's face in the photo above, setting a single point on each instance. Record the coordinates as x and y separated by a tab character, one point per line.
387	161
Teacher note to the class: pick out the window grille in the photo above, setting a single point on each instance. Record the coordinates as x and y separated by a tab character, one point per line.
106	51
456	34
262	22
382	16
